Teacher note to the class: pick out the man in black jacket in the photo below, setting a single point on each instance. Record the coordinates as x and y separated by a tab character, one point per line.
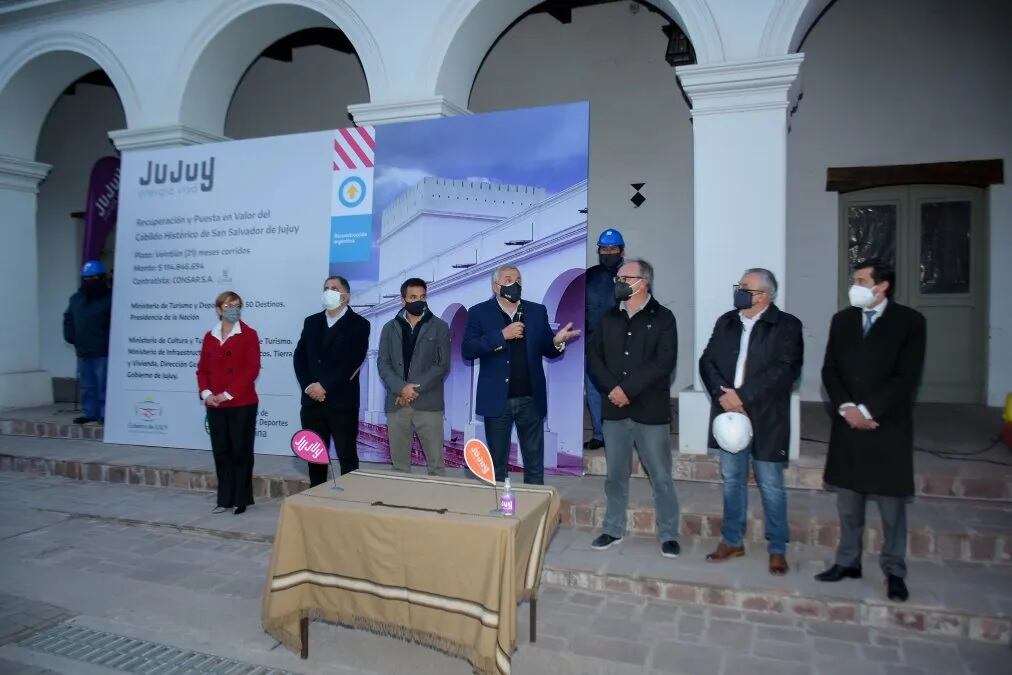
873	364
327	359
631	358
749	366
86	326
600	298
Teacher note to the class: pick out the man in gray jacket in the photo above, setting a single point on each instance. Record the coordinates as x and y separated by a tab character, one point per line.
414	358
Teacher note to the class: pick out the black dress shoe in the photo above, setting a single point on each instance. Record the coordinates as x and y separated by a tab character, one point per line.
593	444
836	572
84	419
239	509
897	588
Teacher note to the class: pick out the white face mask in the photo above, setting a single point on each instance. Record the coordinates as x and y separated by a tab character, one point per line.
861	296
332	299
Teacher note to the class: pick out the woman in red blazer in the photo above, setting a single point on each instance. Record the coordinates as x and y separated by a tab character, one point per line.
226	373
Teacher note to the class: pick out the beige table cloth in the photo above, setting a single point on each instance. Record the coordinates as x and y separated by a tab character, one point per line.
415	557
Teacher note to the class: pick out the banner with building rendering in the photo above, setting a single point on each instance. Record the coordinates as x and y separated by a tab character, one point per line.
444	200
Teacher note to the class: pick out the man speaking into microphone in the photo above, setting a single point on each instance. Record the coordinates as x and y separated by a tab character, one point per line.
509	337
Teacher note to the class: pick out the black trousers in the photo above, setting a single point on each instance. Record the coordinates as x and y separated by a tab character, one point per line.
522	412
232	433
339	425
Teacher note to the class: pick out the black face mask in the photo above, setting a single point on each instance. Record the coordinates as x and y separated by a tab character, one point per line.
742	299
93	287
510	293
415	308
609	261
623	291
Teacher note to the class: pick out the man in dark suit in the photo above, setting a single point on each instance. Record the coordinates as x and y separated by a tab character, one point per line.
328	357
873	364
750	366
510	338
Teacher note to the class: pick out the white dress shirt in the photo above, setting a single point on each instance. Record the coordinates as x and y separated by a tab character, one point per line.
747	325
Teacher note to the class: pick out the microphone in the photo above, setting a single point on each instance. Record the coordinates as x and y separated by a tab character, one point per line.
520	313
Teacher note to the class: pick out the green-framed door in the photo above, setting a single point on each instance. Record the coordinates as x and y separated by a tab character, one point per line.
936	236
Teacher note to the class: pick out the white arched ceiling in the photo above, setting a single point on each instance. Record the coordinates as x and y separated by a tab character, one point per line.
469	29
230	40
789	22
35	76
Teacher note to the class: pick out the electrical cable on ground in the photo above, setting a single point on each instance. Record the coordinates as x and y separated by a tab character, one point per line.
946	454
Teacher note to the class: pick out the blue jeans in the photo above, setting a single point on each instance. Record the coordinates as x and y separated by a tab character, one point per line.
594	404
770	477
523	412
91	371
653	445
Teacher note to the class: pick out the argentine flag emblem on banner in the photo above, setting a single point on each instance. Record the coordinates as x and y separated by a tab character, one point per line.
354	155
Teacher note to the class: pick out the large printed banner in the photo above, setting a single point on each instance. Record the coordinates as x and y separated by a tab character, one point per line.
444	200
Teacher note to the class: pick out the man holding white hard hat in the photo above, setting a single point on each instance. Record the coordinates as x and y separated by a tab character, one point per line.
749	367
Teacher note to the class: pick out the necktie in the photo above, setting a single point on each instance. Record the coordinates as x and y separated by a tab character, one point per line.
869	315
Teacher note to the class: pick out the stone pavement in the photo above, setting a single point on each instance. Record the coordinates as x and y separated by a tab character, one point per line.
154	564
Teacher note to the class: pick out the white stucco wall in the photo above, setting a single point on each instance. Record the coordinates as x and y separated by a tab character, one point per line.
639	133
901	82
311	93
72	139
884	83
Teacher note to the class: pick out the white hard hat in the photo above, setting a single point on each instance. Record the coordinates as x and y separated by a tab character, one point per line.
732	431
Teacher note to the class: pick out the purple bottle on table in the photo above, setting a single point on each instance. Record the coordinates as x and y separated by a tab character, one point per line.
507	503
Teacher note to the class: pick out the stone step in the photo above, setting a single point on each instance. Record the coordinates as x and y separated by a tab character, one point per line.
939	529
950	530
931	478
950	599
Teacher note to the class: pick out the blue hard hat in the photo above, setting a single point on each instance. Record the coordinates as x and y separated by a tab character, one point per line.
611	237
92	268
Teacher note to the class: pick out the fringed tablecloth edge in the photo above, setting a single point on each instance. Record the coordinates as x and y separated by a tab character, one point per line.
277	628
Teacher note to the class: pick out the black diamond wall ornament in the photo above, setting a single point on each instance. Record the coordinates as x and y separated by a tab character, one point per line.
636	194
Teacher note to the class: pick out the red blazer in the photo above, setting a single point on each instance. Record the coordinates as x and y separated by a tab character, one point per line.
232	366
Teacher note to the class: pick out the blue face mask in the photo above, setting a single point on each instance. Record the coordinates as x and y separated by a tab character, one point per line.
742	299
231	314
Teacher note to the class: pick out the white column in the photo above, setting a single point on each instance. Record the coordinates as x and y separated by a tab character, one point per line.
432	107
739	119
22	381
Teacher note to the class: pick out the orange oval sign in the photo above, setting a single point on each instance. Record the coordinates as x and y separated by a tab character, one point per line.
479	460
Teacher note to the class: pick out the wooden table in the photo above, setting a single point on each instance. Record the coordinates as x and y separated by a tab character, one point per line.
411	556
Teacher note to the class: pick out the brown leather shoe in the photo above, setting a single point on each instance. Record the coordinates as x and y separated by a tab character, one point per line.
778	565
725	552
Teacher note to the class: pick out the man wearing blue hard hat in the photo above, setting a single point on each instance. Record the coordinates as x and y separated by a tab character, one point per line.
600	299
86	326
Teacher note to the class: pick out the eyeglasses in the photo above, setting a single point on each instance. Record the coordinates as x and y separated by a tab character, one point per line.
625	280
751	291
232	305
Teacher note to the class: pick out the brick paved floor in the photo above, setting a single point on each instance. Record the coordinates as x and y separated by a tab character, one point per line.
154	564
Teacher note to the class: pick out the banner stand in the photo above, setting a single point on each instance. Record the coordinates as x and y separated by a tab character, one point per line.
495	492
333	471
